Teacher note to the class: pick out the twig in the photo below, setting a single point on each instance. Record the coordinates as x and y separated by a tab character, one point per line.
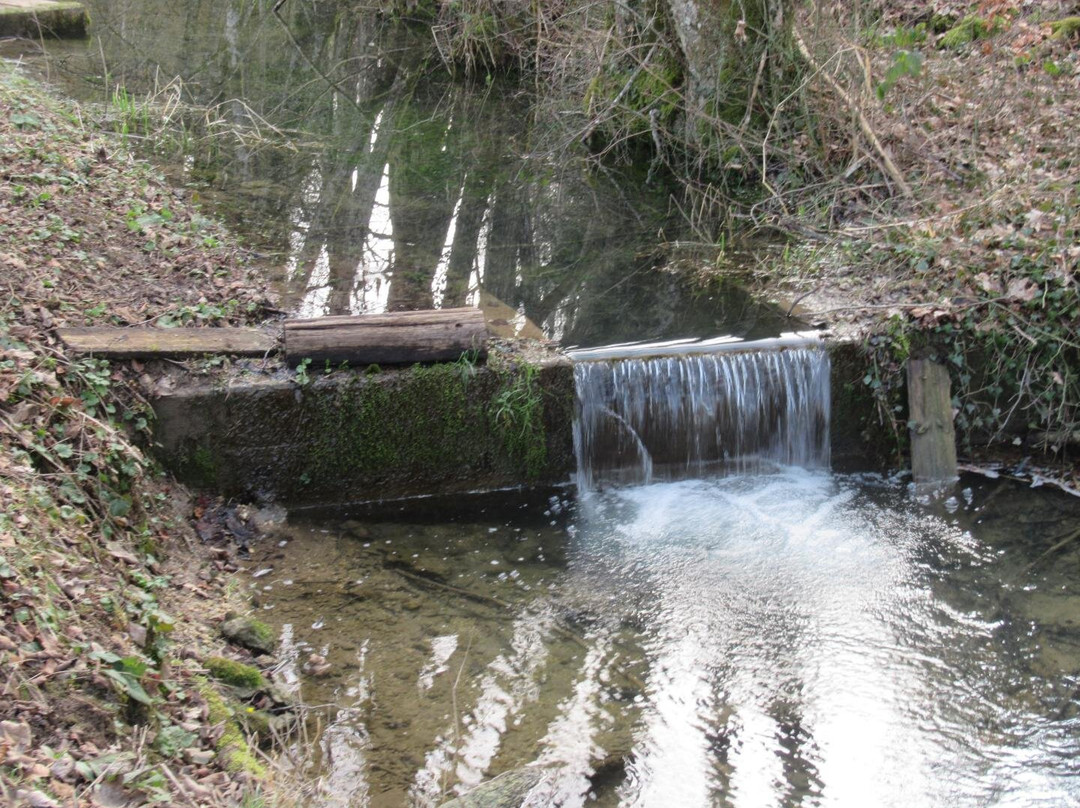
864	124
801	297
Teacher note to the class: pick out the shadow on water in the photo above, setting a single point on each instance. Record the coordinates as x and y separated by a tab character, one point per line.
345	154
798	638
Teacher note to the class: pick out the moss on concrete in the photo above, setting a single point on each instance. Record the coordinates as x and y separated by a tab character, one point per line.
356	435
34	18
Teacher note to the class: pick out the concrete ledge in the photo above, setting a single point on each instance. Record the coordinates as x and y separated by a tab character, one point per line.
860	440
37	18
355	435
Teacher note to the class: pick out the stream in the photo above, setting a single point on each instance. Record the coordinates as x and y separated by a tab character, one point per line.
368	181
794	638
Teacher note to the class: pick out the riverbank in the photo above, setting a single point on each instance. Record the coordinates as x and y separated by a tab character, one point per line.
115	690
978	267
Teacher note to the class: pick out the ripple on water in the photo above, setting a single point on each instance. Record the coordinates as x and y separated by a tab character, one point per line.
794	638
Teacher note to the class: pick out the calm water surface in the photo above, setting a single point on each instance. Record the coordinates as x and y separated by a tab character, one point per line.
790	639
336	144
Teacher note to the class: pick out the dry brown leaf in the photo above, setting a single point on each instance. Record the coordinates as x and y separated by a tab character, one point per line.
1022	290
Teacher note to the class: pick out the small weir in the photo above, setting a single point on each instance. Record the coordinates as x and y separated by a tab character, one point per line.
684	409
686	630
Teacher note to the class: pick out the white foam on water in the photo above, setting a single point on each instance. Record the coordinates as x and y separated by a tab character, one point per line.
771	607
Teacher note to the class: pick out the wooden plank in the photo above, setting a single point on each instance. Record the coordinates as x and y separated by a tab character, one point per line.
442	335
933	439
173	343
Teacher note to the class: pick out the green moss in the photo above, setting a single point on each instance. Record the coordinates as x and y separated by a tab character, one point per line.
643	95
428	422
202	466
1065	28
232	748
235	673
258	723
969	29
249	633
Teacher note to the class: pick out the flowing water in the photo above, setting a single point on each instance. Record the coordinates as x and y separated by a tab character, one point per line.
796	638
786	638
693	414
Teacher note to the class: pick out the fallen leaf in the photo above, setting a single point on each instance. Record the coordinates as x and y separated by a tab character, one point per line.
1022	290
117	552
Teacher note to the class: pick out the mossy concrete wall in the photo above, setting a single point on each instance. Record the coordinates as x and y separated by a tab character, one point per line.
355	436
36	18
861	439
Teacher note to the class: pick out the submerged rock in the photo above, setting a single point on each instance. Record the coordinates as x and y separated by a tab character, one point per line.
508	790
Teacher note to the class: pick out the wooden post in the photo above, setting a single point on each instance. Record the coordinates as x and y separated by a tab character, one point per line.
441	335
933	440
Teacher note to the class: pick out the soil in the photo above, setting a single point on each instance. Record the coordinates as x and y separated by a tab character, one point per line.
108	597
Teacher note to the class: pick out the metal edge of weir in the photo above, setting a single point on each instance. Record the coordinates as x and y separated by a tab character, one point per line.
687	347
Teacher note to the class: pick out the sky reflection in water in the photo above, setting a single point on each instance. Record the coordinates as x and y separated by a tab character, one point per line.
793	639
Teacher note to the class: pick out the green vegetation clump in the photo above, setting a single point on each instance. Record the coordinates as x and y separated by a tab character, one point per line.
969	29
235	673
232	747
519	419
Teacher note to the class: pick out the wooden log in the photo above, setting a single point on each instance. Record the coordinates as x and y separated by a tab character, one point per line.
933	439
172	343
442	335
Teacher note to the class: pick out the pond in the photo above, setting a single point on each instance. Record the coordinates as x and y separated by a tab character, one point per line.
796	638
333	141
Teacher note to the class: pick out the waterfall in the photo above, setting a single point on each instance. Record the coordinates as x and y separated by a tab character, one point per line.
705	408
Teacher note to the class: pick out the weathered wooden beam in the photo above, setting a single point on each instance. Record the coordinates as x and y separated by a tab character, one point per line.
387	339
172	343
933	439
